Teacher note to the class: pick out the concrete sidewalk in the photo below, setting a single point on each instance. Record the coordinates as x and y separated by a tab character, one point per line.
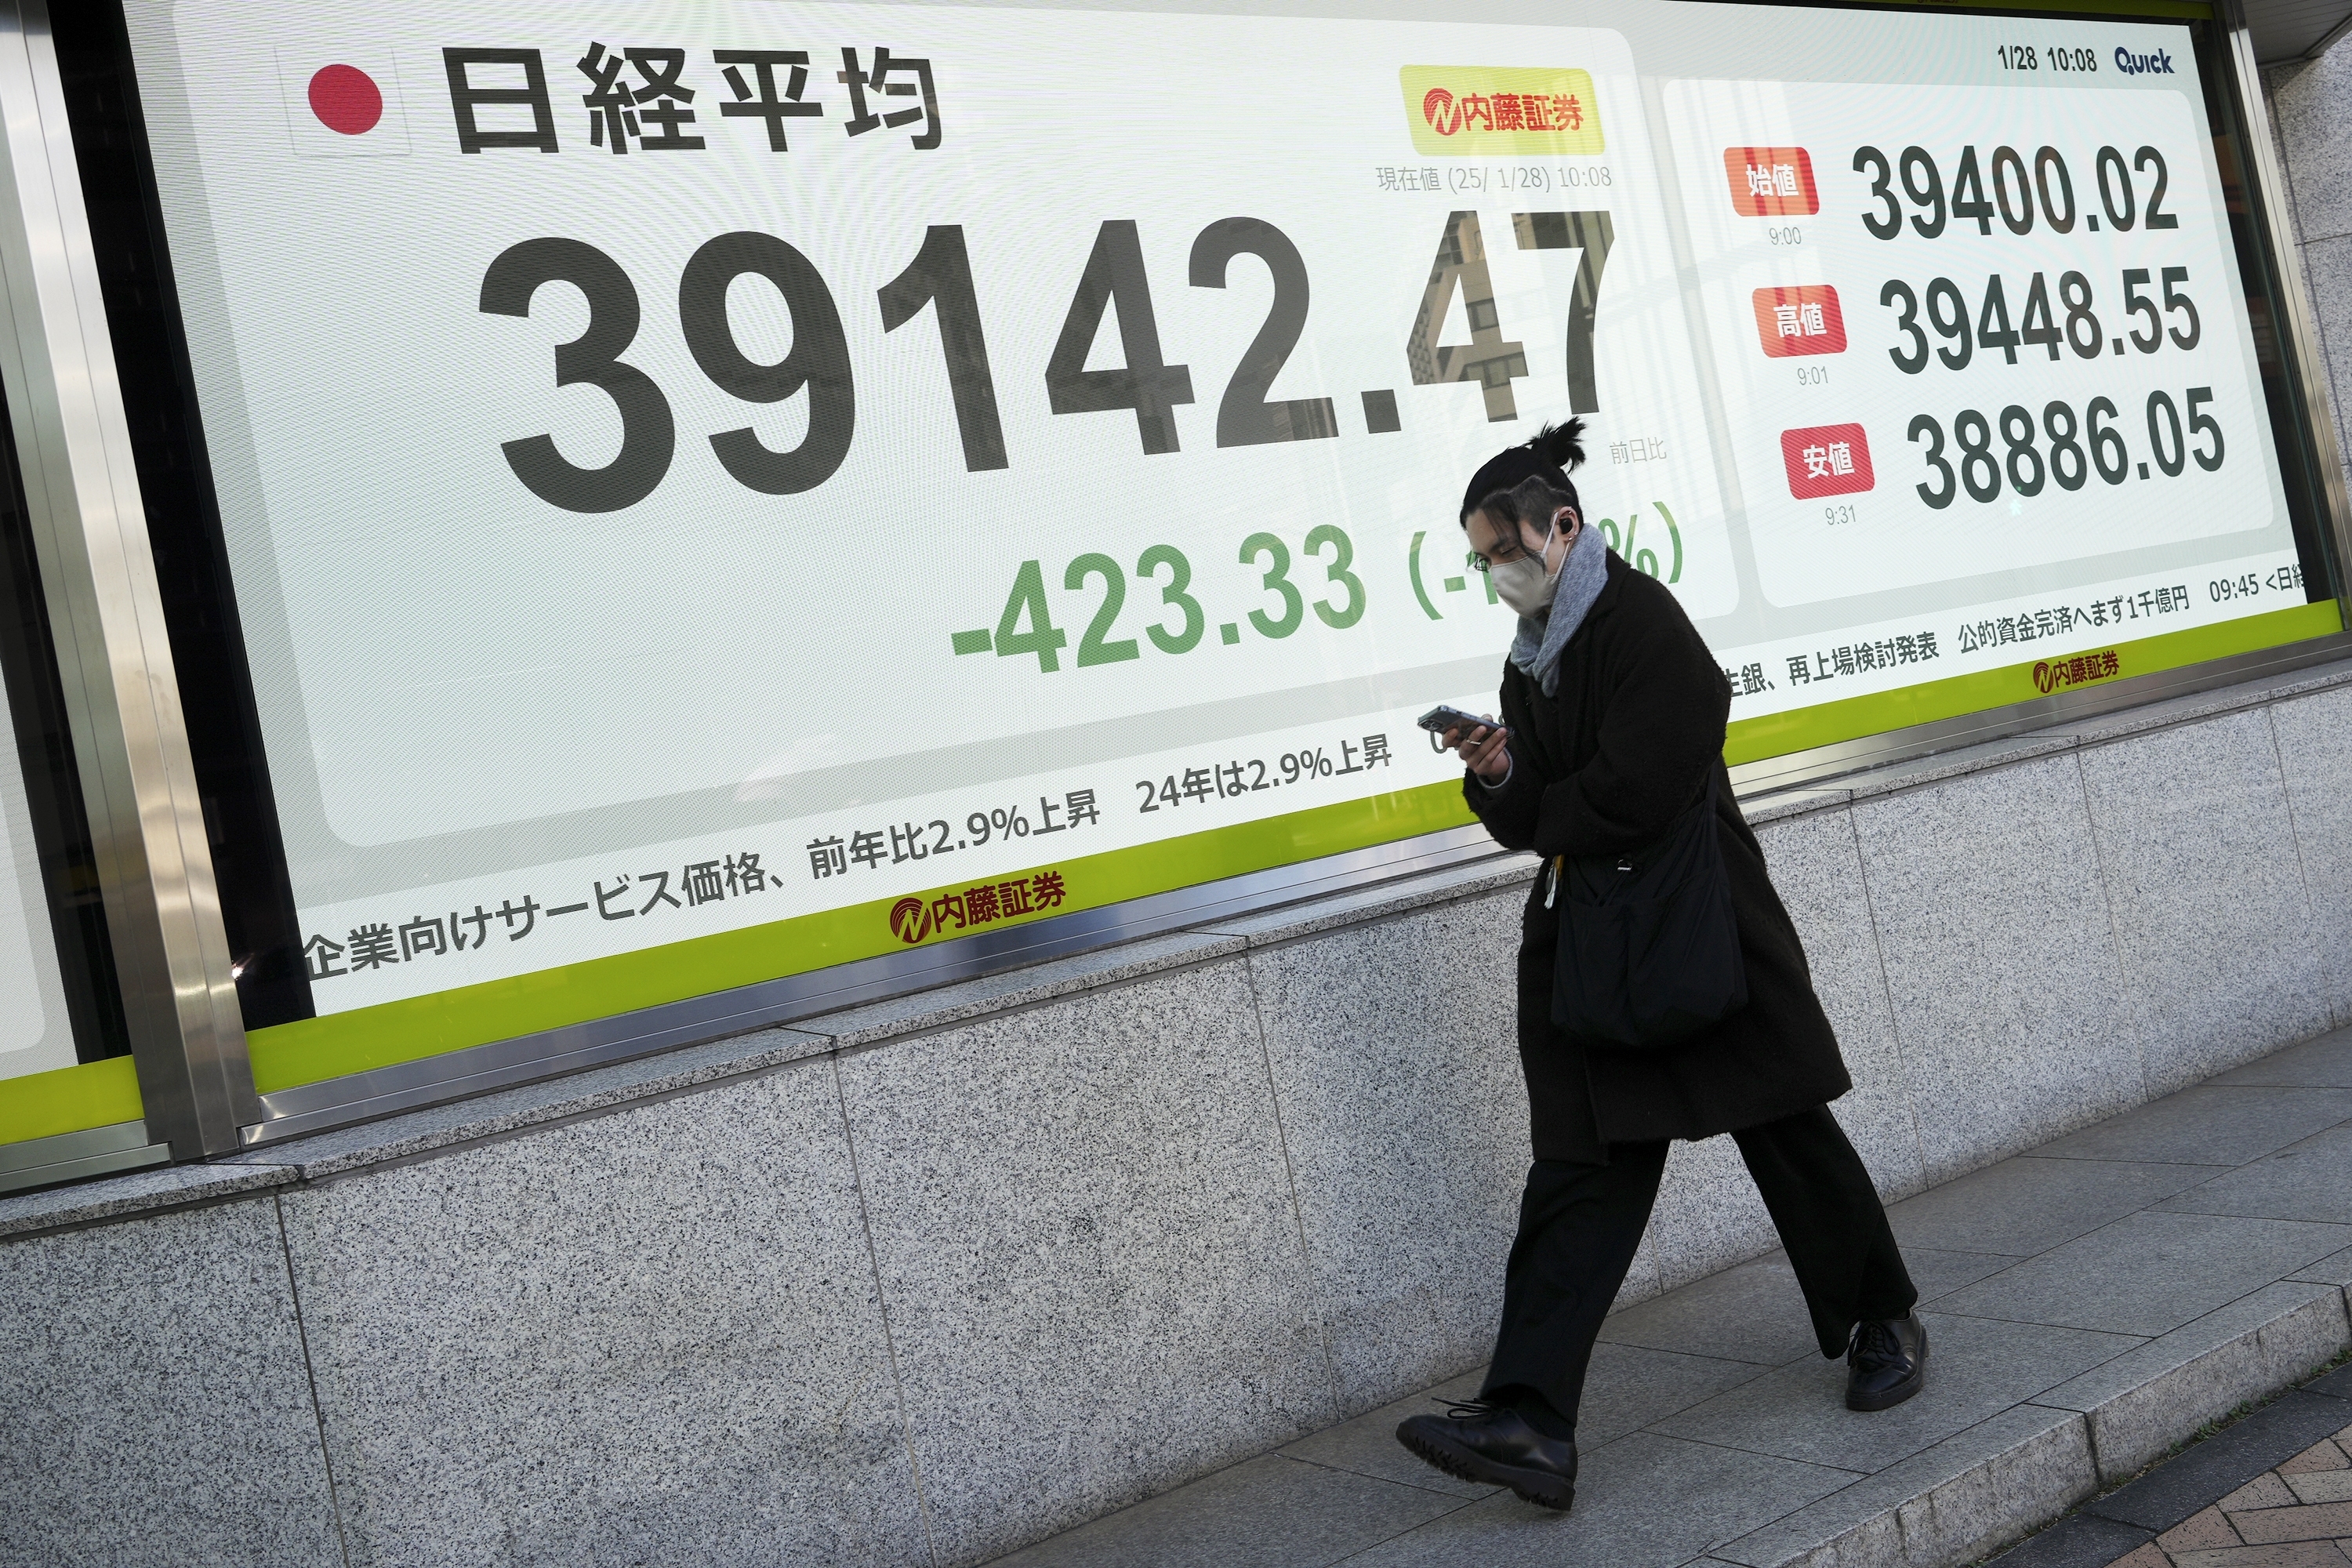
2091	1303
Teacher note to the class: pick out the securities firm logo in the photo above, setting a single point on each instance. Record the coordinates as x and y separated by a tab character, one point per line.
1497	110
2050	674
915	919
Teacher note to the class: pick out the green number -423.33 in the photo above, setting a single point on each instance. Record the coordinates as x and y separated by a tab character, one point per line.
1027	627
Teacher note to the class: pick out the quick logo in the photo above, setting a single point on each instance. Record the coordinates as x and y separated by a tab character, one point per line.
2158	64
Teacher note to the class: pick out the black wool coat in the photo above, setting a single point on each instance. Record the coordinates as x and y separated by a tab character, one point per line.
1605	766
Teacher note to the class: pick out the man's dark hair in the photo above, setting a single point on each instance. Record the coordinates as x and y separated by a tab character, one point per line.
1529	482
1532	500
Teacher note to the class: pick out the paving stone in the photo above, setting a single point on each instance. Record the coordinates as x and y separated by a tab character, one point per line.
2310	1180
1938	1272
1976	1368
1648	1501
2030	1204
2148	1273
1753	1313
1368	1444
1947	1504
2265	1491
2137	1277
2205	1528
1630	1388
1268	1512
2207	1126
2321	1456
2323	1063
2140	1403
2301	1554
2335	1270
2321	1486
2313	1521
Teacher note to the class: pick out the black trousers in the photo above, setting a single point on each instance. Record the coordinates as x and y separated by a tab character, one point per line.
1579	1226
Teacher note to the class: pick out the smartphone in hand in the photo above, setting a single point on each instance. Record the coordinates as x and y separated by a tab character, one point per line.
1441	718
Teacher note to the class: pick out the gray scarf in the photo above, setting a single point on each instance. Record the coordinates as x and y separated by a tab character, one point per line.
1536	647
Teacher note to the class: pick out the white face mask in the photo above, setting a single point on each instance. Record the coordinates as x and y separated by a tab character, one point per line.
1524	584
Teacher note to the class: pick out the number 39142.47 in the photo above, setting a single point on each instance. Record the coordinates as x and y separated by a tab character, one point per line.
941	276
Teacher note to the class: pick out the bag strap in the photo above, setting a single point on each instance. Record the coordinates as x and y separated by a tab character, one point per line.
1557	861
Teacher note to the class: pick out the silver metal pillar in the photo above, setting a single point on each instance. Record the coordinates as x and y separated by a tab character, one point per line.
2299	320
114	657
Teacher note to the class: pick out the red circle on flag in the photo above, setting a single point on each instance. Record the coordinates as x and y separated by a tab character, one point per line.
346	99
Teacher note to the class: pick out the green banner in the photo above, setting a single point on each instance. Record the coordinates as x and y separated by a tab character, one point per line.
1827	723
68	1099
356	1041
376	1036
99	1093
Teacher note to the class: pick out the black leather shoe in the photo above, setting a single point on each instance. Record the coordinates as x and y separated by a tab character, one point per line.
1887	1362
1494	1446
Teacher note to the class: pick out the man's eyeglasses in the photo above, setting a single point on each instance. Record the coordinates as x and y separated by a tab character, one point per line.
1506	552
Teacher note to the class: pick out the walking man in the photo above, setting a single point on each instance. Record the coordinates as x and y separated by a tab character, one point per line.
1612	732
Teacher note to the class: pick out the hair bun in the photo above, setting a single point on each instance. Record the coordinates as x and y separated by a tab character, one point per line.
1561	444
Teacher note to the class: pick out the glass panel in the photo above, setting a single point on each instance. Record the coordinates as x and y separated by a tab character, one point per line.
60	1013
658	517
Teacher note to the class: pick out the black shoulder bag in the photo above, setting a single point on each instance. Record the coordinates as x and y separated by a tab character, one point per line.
1649	946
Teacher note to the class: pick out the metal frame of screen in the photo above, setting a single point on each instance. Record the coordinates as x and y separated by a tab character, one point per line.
114	656
147	788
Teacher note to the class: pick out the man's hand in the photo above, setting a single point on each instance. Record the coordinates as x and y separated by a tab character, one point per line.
1483	750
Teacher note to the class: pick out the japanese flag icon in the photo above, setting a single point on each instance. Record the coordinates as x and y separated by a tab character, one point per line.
342	103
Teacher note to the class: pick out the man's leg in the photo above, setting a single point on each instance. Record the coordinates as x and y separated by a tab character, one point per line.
1830	1221
1579	1226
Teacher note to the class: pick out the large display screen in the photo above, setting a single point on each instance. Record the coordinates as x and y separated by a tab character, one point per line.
717	490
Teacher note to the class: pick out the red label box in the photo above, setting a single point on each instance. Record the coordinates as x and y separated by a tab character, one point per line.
1771	182
1826	460
1804	319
